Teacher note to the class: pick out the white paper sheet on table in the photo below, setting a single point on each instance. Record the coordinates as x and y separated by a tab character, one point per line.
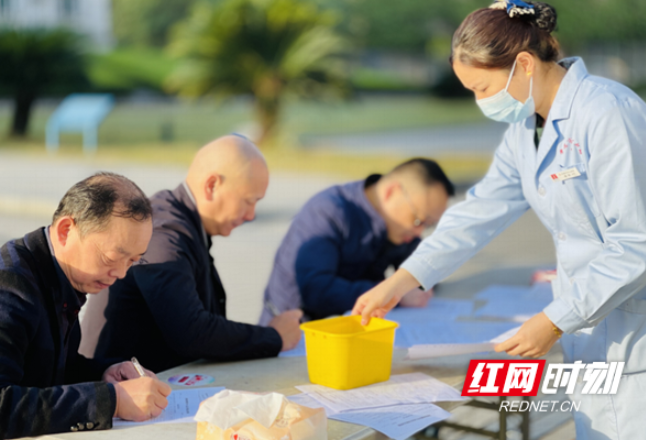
439	350
517	310
182	407
448	332
396	421
536	292
400	389
438	309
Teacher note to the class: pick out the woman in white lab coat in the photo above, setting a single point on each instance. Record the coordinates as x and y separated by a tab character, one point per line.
575	152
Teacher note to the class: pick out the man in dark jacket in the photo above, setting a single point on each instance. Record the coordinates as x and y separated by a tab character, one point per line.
101	226
344	239
171	309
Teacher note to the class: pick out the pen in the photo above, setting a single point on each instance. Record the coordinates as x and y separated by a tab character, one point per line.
272	308
138	367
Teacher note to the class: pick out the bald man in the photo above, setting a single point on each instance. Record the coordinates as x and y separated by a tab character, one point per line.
171	309
342	241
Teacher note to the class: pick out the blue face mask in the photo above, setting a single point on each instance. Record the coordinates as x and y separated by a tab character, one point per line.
503	107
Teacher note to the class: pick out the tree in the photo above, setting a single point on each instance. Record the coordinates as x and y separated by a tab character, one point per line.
266	48
35	62
146	23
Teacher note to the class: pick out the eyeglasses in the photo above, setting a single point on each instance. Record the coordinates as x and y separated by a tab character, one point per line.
419	221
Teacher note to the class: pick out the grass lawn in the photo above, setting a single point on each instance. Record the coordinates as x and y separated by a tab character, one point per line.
201	121
135	132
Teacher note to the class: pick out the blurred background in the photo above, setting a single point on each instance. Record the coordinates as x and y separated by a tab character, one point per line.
310	80
332	90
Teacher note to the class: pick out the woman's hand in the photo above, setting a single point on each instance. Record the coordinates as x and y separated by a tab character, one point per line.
379	300
534	338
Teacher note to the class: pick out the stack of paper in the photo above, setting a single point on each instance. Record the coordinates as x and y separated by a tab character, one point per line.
398	408
438	350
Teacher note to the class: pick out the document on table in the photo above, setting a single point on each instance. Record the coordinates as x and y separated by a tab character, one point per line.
438	309
537	292
182	407
400	389
516	310
396	421
438	350
448	332
310	402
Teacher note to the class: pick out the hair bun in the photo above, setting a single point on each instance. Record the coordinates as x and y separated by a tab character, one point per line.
544	17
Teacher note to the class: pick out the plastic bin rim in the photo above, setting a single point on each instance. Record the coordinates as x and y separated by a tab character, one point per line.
390	325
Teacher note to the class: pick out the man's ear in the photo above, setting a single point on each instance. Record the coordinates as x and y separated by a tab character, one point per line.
62	230
390	189
212	185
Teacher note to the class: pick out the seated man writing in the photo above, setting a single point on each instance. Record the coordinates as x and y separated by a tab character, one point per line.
101	227
171	309
342	241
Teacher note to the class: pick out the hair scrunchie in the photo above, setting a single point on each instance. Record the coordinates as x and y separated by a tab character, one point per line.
514	8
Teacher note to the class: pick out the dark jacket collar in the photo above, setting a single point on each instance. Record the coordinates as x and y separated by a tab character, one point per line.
358	195
185	198
36	243
50	272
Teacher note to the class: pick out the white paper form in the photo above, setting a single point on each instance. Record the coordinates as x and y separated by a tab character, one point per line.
537	292
439	350
310	402
400	389
397	422
516	310
438	309
414	333
503	292
182	407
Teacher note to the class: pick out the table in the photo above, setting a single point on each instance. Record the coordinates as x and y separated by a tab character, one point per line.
280	375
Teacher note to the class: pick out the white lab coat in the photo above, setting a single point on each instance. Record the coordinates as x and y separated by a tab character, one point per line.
598	223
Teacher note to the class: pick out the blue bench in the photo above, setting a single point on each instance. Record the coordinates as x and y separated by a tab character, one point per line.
79	113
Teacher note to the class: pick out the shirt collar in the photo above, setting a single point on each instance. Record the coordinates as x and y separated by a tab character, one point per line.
378	223
576	72
189	193
71	298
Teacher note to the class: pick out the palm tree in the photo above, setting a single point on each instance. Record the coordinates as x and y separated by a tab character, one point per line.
266	48
35	62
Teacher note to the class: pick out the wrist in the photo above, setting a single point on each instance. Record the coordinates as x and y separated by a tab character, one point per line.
402	283
117	391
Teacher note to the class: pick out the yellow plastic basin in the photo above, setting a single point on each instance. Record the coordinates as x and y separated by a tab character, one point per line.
343	354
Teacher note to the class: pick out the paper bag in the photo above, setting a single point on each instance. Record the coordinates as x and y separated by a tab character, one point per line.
236	415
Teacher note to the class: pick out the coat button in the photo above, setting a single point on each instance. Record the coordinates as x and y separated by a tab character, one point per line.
541	191
89	425
74	428
562	236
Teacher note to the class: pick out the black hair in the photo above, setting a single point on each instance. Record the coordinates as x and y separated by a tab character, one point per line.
427	171
491	38
93	201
